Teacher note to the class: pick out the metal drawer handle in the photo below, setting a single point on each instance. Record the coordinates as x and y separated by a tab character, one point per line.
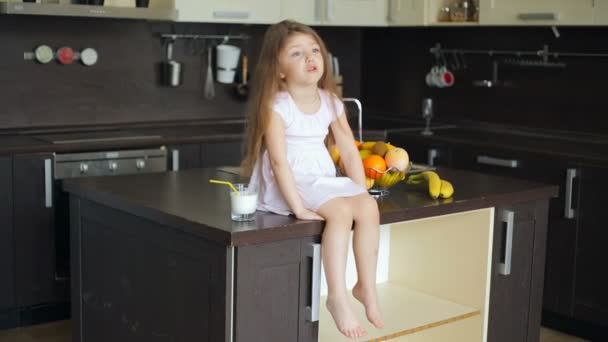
318	10
48	183
507	216
538	16
330	10
569	212
312	311
175	157
391	10
231	14
511	163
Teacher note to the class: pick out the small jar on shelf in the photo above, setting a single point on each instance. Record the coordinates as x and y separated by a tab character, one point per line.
443	15
463	11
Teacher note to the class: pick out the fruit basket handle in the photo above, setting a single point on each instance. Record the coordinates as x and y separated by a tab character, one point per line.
359	115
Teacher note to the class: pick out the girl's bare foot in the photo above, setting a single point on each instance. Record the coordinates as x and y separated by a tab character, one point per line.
345	319
369	299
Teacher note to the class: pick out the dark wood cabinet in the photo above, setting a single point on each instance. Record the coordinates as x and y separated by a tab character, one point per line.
183	157
590	294
36	281
517	264
137	280
276	279
229	153
577	235
7	266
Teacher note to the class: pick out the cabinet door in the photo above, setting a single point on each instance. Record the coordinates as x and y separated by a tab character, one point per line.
512	257
591	297
229	11
536	12
509	163
221	154
307	12
34	229
183	157
270	279
7	266
406	12
356	12
558	294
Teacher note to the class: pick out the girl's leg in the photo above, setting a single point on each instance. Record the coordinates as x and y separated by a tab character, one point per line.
334	248
365	245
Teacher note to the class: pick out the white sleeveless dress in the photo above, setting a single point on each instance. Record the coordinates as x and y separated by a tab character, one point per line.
313	169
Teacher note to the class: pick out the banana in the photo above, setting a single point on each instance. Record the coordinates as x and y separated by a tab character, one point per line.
434	183
414	179
447	190
369	145
369	182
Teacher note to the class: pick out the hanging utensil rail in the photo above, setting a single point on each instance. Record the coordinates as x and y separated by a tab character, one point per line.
224	37
438	51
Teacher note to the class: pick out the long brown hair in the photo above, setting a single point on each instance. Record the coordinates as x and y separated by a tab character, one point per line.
267	83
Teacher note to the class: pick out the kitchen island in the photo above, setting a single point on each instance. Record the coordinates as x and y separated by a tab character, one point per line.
156	257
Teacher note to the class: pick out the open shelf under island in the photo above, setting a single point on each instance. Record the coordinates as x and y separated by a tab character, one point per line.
156	257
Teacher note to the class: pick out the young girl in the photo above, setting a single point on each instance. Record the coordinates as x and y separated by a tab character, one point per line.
293	110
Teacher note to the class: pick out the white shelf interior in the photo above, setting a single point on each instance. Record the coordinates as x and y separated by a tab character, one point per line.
438	282
405	311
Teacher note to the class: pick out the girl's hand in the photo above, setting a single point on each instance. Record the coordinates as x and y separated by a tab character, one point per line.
306	214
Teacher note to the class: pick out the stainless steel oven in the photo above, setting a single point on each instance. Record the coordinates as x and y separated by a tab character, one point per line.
94	164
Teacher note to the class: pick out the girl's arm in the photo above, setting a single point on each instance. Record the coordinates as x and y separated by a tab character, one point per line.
275	143
349	153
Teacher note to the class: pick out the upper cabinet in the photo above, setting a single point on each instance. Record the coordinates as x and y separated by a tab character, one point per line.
119	9
536	12
336	12
306	12
397	12
355	12
229	11
407	12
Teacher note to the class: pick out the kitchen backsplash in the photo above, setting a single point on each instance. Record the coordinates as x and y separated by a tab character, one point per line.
386	67
124	86
571	98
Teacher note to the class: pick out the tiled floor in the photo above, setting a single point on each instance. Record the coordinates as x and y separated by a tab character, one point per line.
61	332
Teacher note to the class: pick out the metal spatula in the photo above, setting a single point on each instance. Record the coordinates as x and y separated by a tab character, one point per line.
209	90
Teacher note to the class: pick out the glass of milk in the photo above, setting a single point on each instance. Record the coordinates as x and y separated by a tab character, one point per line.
243	204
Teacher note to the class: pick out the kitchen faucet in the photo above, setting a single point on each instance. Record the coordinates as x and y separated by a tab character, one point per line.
359	115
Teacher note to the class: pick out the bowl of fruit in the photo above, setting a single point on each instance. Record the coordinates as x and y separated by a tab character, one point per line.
385	165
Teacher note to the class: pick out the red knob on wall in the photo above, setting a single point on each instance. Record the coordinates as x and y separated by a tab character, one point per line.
65	55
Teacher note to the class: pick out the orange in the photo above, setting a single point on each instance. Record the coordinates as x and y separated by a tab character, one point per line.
358	144
372	162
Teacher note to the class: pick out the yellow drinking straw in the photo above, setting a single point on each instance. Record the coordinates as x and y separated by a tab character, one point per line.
226	183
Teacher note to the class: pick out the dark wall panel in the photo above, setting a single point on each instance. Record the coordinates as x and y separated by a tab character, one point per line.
123	87
571	98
